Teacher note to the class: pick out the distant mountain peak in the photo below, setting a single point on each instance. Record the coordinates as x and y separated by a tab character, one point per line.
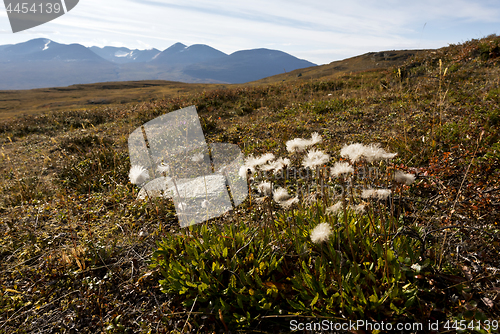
177	47
178	44
42	62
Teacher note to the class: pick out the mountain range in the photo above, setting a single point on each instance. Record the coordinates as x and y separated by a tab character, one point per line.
41	63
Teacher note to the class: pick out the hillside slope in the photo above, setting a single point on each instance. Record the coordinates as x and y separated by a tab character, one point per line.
79	252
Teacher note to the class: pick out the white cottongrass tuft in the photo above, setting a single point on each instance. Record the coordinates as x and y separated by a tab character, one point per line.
360	208
321	233
334	208
353	151
138	174
341	168
405	178
288	203
198	157
281	195
300	144
277	165
371	153
374	152
315	138
297	145
367	193
246	172
376	193
163	168
253	162
265	188
315	158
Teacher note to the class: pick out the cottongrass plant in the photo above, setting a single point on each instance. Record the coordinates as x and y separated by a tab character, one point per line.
334	208
163	168
404	178
298	145
265	188
342	173
321	233
315	158
380	194
138	175
341	169
276	166
284	199
332	255
359	197
370	153
254	162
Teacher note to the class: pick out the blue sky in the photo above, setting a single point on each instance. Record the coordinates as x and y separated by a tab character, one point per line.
317	30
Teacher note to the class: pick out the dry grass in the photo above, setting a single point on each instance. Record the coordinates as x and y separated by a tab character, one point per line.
36	101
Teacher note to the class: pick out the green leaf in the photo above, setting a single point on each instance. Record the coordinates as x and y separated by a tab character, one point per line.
315	300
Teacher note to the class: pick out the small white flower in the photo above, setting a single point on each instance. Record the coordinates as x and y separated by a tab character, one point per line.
138	174
197	157
341	168
321	233
334	208
416	267
315	158
405	178
265	188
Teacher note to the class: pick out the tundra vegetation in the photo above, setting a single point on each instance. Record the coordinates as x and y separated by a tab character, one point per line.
393	216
